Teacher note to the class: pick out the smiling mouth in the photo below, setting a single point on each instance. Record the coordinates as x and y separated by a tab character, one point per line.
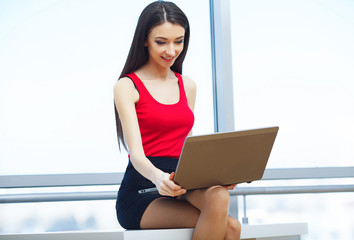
167	59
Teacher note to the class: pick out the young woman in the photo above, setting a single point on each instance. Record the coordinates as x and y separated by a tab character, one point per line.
154	109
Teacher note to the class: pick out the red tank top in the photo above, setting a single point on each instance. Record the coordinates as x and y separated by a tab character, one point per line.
163	127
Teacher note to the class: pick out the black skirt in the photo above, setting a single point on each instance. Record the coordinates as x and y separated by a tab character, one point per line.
131	205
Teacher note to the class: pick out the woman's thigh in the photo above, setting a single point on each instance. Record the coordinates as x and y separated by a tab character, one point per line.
199	197
169	213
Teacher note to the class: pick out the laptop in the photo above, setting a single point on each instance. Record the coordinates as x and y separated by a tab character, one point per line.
223	158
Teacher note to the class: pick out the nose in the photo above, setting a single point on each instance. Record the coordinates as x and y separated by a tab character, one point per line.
170	50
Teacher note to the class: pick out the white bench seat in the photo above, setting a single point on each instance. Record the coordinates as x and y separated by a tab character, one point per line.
285	231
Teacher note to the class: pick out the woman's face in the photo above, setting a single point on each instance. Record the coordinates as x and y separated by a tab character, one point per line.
165	43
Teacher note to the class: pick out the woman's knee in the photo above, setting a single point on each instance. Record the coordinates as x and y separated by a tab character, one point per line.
233	228
218	194
218	198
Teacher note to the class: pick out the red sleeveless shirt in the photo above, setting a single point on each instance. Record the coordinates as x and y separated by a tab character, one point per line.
163	127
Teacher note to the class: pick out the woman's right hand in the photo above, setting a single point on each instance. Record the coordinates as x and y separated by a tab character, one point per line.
166	186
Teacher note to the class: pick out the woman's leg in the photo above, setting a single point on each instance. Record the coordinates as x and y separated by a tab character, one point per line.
206	210
233	231
214	222
169	213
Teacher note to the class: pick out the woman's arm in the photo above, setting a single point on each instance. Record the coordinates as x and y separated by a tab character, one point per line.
126	96
191	90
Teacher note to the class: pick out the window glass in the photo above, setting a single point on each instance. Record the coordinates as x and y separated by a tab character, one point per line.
58	216
307	208
293	68
59	62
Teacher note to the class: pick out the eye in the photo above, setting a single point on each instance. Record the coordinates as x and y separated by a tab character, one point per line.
180	41
159	42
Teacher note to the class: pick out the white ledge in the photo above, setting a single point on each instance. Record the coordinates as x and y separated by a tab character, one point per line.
284	231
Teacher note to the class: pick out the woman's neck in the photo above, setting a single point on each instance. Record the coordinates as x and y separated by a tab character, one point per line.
150	71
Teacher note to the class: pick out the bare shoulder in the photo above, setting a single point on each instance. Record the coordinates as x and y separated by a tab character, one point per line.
189	84
125	88
123	84
190	89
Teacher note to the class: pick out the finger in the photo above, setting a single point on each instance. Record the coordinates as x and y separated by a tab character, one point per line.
172	193
168	188
172	175
172	185
181	192
227	187
168	191
177	193
164	190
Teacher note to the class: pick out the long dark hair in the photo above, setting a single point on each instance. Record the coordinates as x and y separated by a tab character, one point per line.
154	14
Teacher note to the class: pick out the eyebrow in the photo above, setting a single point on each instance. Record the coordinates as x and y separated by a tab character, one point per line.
167	38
